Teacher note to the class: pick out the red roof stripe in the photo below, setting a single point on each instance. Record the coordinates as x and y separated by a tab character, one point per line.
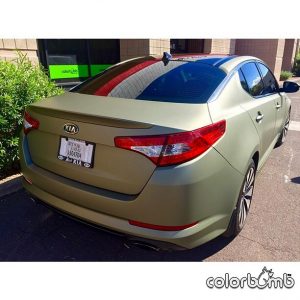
110	85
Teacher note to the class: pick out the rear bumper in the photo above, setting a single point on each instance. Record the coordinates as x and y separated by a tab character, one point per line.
127	238
203	190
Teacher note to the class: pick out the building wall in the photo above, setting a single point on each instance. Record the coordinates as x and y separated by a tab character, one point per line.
130	48
279	58
159	46
195	45
207	46
219	46
8	49
269	50
277	53
289	54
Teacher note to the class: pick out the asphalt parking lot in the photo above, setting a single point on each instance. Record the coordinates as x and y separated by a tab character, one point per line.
30	231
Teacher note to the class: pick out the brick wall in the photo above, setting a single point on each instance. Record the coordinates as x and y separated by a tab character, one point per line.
27	46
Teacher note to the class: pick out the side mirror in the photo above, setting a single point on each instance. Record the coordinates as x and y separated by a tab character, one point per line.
290	87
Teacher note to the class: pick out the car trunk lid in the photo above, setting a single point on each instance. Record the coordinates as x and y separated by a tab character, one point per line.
100	120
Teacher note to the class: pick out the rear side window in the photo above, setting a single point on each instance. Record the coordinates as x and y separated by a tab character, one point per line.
150	79
270	83
253	79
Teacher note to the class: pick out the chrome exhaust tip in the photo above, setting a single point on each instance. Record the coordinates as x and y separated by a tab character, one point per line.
141	245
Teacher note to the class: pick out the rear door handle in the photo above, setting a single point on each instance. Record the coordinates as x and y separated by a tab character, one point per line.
259	117
278	106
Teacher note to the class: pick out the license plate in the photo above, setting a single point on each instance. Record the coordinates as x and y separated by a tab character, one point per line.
77	152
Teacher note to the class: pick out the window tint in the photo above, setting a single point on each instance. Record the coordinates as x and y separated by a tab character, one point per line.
253	79
243	81
149	79
270	83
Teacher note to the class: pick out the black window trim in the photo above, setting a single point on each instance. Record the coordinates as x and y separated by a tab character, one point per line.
239	67
229	76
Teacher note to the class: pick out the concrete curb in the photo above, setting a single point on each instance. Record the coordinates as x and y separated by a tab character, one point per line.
10	186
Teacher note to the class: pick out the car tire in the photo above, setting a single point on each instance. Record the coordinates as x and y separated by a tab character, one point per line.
241	211
284	131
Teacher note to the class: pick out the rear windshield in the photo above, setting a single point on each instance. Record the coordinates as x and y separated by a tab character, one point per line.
150	79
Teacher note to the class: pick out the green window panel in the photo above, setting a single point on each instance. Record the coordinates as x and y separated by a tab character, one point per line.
68	71
75	71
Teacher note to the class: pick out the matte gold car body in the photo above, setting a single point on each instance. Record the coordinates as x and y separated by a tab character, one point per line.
124	185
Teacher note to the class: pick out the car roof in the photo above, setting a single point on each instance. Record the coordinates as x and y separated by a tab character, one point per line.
225	62
200	57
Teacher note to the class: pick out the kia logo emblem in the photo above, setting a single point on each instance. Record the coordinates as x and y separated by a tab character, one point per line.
71	128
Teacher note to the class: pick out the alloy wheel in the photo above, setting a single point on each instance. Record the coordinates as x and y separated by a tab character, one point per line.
285	128
246	197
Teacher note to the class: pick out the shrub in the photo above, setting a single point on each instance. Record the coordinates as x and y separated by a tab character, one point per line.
296	68
21	83
284	75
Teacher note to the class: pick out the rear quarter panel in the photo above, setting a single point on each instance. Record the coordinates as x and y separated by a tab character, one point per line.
241	139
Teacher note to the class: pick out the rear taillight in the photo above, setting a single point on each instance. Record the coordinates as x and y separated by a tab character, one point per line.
29	123
170	149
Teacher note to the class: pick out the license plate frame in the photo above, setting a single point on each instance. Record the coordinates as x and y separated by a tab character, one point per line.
88	152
